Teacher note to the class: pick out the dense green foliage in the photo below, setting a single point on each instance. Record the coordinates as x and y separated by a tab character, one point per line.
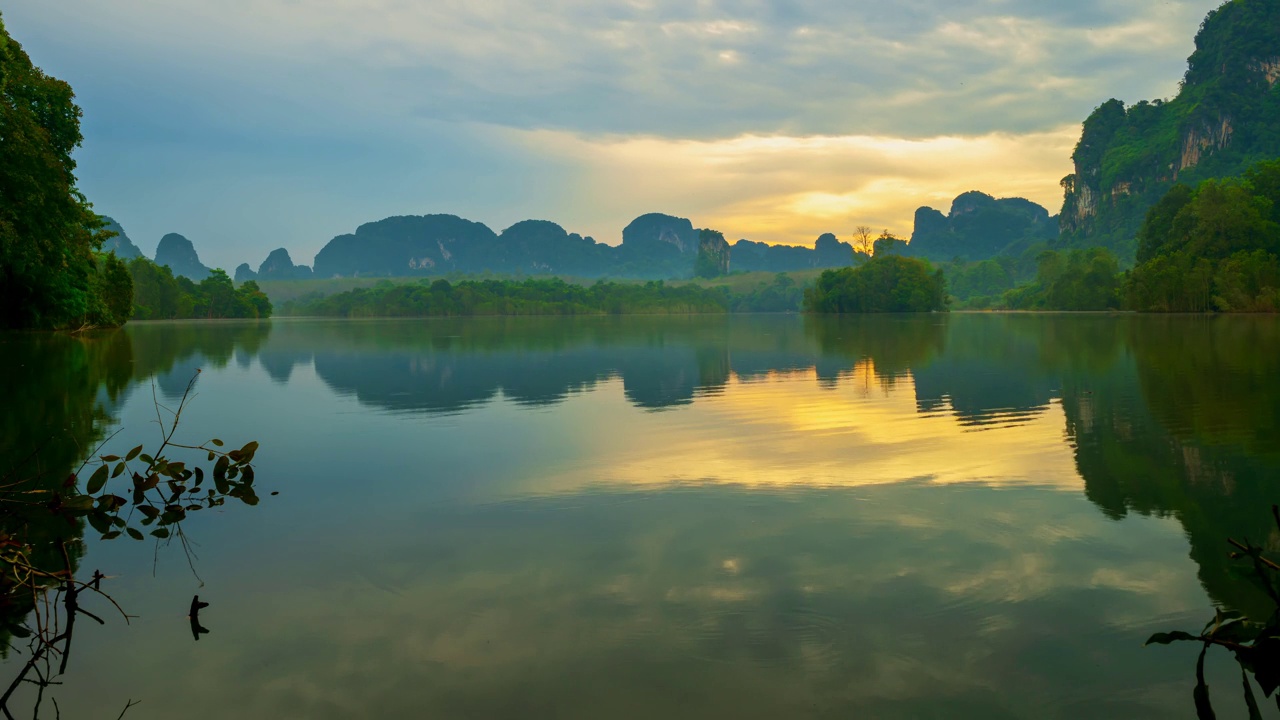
50	275
784	294
886	283
1213	247
511	297
1074	280
159	295
1223	120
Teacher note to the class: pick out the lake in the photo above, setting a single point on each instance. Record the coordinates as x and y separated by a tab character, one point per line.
965	516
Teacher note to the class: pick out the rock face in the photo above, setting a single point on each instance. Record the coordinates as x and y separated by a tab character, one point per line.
979	227
244	272
279	266
1221	122
180	255
827	252
660	233
653	246
408	245
713	255
121	245
543	247
657	245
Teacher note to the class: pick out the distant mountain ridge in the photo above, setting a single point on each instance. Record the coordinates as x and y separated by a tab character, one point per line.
1225	117
654	246
979	227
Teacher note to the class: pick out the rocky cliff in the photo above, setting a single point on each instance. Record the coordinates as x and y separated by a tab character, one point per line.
713	255
827	252
1226	116
653	246
279	266
121	245
180	255
978	226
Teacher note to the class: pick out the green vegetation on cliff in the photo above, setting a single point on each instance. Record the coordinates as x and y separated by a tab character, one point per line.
713	255
1225	118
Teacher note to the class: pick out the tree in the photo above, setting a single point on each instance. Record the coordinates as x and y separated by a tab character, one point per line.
887	244
863	241
48	230
886	283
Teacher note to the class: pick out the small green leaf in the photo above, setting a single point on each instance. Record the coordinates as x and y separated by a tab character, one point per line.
79	503
217	442
97	481
146	458
1237	631
133	453
118	471
110	458
99	521
134	533
161	533
111	535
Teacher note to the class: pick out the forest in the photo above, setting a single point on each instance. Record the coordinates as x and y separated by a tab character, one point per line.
551	296
51	275
160	295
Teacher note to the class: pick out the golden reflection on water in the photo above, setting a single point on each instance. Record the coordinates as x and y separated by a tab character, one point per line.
794	429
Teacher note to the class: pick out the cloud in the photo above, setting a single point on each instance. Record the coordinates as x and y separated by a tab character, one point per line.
780	188
672	68
779	118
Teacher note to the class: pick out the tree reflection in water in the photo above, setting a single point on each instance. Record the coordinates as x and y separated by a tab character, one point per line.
46	500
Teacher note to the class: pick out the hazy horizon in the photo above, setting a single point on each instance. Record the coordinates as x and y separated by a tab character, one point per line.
260	125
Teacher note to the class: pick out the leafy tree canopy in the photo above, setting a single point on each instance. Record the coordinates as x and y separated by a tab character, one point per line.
49	274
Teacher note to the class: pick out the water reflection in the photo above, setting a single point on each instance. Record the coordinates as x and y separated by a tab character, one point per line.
827	517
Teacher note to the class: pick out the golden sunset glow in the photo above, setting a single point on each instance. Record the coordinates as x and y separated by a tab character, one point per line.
784	189
795	430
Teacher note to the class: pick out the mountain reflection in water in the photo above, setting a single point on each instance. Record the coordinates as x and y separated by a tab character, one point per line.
930	516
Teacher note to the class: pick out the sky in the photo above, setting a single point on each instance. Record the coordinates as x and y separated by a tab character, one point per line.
248	125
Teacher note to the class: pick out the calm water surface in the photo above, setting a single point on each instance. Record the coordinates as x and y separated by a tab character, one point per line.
751	517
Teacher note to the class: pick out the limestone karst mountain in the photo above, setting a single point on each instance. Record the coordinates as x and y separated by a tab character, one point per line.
121	245
978	227
1225	117
180	255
